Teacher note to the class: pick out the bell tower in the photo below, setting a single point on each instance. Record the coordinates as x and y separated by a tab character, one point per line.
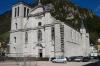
20	12
82	29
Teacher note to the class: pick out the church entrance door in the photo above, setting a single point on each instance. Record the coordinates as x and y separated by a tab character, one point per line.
40	53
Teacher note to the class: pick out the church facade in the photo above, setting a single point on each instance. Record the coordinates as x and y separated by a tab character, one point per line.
34	32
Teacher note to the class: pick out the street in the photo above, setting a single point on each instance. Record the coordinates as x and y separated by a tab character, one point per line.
48	63
93	64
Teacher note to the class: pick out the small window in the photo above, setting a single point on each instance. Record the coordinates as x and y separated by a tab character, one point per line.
15	39
18	12
24	11
26	37
16	25
27	12
15	12
39	24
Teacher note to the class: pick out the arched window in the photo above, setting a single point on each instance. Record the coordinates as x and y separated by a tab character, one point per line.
24	11
18	12
39	24
15	12
39	35
52	33
15	39
27	12
26	37
16	25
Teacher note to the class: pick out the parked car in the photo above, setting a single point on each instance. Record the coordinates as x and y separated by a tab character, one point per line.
98	57
86	59
71	58
94	55
79	59
75	58
59	60
50	59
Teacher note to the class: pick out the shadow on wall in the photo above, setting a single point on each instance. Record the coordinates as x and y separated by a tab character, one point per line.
93	64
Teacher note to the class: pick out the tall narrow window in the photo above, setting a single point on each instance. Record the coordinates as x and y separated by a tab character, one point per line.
26	37
39	35
18	12
24	11
27	12
15	12
16	25
39	24
15	39
71	35
53	33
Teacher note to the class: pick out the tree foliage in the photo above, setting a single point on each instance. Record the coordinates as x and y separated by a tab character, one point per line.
91	21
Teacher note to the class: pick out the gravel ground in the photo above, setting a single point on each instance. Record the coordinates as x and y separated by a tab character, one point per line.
42	63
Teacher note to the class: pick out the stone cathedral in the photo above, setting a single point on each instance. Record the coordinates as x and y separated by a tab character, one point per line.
34	32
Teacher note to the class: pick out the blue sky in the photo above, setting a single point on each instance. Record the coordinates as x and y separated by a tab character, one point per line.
94	5
6	5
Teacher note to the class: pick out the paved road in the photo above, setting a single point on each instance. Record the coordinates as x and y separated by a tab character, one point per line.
48	63
93	64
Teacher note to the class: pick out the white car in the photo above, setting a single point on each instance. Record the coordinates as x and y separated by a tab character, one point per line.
59	60
94	54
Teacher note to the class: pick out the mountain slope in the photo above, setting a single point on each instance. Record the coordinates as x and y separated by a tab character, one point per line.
5	22
72	14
